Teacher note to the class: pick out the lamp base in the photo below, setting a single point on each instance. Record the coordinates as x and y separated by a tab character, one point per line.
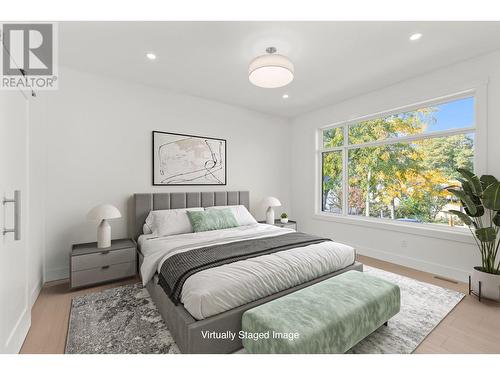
103	235
270	216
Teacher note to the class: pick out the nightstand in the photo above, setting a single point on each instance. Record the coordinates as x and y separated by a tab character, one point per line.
291	224
90	265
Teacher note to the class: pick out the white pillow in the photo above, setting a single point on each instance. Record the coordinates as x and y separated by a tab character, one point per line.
146	229
241	214
170	222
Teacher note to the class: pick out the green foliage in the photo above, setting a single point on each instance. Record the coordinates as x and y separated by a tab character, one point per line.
399	180
333	137
284	215
465	199
473	181
486	234
481	200
496	219
415	208
491	196
332	179
466	219
406	180
448	153
487	180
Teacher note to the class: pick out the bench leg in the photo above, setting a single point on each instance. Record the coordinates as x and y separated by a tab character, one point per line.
386	324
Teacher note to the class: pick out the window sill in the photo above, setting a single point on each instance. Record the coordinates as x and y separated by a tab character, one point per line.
427	230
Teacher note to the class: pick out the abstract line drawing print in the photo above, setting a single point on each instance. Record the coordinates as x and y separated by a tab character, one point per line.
188	160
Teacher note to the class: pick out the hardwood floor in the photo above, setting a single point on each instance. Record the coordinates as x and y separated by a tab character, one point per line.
472	327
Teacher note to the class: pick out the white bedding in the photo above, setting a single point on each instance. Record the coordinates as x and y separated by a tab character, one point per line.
222	288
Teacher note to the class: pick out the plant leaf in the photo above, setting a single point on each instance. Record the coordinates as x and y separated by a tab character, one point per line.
491	196
487	180
466	219
488	234
479	206
479	210
496	219
465	172
467	188
474	182
466	200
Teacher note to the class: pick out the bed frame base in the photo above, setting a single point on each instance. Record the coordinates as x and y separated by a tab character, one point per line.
187	331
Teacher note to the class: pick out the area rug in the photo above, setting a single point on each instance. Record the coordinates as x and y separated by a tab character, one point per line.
125	320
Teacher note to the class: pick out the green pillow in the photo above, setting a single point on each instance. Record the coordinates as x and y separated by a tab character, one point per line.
203	221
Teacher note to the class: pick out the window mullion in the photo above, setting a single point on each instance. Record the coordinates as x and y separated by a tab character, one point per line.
345	172
413	138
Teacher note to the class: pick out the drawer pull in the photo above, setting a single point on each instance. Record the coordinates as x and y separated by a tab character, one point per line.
104	267
105	252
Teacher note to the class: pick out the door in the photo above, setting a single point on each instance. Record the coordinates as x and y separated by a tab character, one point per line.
15	310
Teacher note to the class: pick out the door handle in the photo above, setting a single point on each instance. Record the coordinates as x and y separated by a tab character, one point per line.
17	215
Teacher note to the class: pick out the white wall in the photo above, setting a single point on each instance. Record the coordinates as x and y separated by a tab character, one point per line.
451	256
95	147
36	197
92	145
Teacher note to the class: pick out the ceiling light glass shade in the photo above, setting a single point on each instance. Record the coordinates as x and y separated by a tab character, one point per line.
270	71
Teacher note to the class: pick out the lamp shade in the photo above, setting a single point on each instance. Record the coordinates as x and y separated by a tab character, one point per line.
271	71
103	211
271	202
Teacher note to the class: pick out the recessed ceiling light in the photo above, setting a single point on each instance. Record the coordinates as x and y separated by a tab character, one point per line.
150	56
415	36
285	96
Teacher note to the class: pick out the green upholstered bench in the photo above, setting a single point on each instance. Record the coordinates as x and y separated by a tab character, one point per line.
328	317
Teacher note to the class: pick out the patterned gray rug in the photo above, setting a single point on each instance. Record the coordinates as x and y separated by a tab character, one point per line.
125	320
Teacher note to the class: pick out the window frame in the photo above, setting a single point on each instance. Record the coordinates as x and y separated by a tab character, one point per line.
478	95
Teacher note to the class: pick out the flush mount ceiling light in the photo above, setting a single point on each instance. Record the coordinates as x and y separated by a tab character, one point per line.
150	55
415	36
271	70
285	96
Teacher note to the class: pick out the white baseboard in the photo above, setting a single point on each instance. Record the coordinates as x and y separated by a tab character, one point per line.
35	293
421	265
56	274
18	334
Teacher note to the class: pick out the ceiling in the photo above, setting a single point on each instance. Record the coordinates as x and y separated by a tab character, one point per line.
333	60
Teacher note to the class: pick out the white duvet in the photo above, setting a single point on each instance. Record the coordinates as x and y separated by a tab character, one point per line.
222	288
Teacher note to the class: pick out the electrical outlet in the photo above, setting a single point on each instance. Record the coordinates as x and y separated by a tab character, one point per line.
404	244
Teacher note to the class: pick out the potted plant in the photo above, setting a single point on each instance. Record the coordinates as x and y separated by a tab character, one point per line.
480	198
284	218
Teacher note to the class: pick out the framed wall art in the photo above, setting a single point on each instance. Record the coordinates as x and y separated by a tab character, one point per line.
182	159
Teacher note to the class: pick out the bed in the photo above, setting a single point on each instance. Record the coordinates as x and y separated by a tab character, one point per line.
214	300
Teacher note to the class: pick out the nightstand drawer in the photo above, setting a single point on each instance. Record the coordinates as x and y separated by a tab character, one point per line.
285	225
102	258
291	224
104	273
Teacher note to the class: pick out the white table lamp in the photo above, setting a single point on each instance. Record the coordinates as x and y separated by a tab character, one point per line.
270	202
102	213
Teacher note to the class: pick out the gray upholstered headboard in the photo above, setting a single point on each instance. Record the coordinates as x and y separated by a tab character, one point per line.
143	203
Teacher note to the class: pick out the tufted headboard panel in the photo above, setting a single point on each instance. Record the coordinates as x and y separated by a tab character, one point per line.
143	203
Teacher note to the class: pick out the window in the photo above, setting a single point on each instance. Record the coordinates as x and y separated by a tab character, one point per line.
397	166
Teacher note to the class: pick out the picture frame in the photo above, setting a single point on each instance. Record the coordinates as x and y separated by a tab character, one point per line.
188	160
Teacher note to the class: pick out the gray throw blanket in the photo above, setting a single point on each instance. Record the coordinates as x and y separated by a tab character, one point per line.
176	269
